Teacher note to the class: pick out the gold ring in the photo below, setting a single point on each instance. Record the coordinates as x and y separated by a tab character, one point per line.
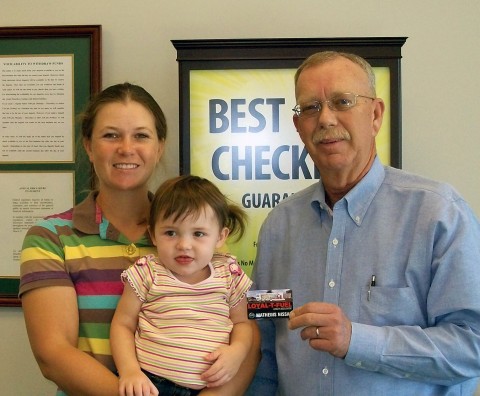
316	331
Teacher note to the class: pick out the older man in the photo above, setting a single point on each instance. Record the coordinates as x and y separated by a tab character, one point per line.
384	265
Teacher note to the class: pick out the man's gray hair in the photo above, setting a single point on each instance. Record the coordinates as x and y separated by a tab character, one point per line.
320	58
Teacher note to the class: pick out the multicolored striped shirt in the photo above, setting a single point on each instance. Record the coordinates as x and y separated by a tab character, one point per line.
81	249
180	323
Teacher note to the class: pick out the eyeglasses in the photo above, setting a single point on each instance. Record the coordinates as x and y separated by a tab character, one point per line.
339	102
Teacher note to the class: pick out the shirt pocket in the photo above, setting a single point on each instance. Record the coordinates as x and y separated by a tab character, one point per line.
390	306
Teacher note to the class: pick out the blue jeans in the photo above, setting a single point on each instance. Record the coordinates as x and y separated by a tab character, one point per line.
168	388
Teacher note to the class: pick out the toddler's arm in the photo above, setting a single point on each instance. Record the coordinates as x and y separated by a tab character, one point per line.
122	339
227	359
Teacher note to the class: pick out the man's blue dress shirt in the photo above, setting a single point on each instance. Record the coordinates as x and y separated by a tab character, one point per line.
418	332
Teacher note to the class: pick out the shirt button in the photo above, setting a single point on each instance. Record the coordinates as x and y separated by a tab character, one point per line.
357	219
325	371
331	283
335	242
131	249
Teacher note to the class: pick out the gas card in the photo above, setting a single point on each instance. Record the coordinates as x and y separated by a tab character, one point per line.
276	303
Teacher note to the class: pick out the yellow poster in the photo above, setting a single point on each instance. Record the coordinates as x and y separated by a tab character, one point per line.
243	139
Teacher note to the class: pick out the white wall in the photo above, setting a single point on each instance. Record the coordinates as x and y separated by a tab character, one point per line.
440	83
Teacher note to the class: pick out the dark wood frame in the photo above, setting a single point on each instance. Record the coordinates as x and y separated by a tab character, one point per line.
34	34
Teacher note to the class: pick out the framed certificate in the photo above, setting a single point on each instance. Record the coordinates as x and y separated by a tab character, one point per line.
47	75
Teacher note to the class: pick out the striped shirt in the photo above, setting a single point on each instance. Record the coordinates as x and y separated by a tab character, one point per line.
180	323
81	249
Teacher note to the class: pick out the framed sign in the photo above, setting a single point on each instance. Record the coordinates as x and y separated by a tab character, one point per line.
47	75
236	125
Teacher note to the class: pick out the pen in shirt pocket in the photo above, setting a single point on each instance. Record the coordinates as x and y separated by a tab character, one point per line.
372	284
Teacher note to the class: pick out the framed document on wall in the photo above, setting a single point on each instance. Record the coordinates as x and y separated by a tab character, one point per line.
236	124
47	75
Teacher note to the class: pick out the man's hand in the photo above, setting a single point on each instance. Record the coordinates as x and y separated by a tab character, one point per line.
325	326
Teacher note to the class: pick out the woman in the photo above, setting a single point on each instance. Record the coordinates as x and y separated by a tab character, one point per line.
71	262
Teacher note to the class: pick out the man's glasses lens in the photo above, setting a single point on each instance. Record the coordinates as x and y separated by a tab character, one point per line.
339	102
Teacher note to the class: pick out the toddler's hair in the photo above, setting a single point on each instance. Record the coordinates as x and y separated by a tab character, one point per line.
188	195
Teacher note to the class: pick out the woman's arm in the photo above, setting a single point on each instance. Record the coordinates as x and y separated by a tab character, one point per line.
51	317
